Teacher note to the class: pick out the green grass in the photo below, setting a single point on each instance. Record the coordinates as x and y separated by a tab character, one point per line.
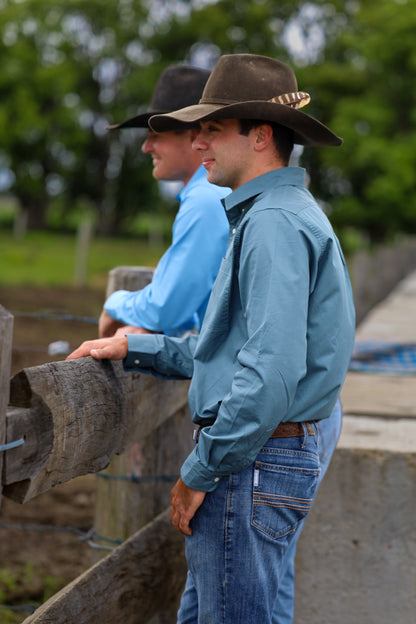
16	584
47	259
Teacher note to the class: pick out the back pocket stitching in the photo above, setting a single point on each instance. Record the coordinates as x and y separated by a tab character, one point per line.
297	504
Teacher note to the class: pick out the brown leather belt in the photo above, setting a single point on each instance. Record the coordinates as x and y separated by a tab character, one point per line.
292	429
283	430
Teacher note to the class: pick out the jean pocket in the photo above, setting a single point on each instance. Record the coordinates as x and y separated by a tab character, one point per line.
282	496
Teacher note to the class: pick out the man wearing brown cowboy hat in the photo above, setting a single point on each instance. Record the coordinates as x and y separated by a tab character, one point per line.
176	299
270	360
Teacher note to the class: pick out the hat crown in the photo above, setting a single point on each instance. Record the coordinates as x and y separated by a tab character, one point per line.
249	86
177	87
248	77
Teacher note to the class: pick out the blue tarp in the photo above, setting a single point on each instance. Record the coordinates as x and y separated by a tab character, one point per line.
384	358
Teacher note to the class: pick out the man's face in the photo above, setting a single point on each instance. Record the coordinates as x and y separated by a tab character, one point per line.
172	154
226	154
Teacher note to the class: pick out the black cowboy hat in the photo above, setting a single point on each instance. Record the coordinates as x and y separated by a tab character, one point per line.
178	86
248	86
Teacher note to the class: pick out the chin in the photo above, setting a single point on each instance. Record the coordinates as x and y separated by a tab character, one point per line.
157	174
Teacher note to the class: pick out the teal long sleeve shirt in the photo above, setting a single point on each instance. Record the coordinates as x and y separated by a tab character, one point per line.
278	332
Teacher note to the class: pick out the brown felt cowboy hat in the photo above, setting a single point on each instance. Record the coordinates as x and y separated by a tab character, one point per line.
178	86
248	86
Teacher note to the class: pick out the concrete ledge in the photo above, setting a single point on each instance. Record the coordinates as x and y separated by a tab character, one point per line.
356	556
379	395
382	434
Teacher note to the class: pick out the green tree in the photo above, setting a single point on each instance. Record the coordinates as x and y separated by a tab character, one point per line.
70	69
367	78
62	66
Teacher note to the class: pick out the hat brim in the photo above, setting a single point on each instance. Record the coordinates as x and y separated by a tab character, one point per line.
139	121
307	129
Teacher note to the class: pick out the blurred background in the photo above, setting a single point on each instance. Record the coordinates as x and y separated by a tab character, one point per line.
77	199
70	69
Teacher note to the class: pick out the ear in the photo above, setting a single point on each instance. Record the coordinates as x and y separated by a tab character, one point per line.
263	136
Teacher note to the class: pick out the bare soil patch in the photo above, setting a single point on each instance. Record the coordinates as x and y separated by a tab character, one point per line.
40	546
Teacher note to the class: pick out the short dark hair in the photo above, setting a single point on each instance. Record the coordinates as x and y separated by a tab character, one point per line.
283	137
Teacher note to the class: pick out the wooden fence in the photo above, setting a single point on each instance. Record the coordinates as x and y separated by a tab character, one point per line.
62	420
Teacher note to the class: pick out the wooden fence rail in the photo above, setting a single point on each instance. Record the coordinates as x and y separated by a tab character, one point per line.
74	416
70	419
140	579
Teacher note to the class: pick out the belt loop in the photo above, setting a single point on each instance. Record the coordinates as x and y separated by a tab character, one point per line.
317	434
305	434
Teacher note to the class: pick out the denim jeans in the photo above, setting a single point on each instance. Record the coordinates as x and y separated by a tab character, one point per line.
244	530
329	432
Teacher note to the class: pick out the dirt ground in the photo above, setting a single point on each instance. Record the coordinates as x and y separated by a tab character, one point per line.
39	550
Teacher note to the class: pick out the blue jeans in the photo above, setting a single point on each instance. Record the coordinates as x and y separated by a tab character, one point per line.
329	432
244	532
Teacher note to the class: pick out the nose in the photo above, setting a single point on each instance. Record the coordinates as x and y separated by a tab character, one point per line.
199	142
147	146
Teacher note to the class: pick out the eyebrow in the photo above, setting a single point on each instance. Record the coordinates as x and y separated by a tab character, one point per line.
213	121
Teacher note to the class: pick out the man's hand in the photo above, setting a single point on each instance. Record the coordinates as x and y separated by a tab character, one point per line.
132	329
103	348
107	326
184	503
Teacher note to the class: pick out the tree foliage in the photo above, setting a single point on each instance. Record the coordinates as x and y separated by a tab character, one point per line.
62	64
68	69
368	71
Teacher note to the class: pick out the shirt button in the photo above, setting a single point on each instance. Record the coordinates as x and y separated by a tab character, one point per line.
234	230
216	479
137	361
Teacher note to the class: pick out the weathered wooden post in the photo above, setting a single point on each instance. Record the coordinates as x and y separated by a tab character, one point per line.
74	417
6	334
84	235
136	485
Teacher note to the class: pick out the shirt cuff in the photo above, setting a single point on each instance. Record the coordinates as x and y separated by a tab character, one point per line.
141	353
147	354
195	476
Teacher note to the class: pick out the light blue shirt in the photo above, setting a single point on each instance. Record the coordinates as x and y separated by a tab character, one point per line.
177	297
277	335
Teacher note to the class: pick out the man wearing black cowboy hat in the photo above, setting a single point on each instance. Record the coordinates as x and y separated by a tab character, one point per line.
176	299
270	360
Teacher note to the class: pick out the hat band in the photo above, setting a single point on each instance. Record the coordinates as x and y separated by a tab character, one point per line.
297	99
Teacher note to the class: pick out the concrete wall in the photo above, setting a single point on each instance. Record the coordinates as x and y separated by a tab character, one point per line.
375	273
356	561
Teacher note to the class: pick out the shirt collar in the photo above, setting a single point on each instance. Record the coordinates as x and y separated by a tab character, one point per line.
248	191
